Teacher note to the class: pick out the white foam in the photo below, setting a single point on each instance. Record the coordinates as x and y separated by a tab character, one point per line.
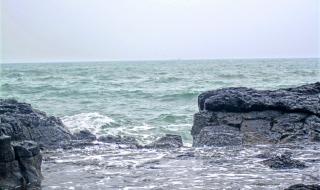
91	121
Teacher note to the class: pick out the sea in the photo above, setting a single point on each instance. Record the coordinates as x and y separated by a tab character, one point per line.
146	100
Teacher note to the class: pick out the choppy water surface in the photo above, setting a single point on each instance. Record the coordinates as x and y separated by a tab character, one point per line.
142	99
147	100
108	167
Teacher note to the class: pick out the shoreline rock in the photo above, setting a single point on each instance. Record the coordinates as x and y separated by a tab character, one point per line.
283	161
84	135
167	141
20	164
238	116
22	122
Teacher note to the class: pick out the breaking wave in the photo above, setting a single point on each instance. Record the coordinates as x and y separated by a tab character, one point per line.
91	121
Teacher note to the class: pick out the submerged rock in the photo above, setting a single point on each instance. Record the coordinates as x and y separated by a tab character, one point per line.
119	140
304	187
168	141
84	135
22	122
283	161
235	116
20	164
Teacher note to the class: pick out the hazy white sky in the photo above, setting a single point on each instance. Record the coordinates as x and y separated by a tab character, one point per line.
69	30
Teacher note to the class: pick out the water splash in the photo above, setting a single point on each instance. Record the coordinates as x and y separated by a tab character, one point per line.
91	121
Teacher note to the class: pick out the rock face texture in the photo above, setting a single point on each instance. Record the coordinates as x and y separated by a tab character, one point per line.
168	141
20	164
236	116
22	122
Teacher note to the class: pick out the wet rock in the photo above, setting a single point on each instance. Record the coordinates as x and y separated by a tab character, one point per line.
186	155
23	169
22	122
283	161
6	150
235	116
168	141
84	135
209	137
304	187
265	155
118	140
26	149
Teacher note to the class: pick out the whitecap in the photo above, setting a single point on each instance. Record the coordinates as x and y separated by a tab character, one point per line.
91	121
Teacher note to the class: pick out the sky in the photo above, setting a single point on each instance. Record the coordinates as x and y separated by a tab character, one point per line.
102	30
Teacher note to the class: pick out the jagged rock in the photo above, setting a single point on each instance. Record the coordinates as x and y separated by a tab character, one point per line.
23	169
303	99
84	135
304	187
168	141
283	161
22	122
235	116
118	140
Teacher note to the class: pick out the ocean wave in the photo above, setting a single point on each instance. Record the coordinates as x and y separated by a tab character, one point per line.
168	79
5	87
14	75
305	73
50	77
162	79
144	133
172	118
232	76
91	121
177	96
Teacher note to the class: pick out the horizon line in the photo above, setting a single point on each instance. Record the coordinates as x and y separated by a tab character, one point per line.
153	60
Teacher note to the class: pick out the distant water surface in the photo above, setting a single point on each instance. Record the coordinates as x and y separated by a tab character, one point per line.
142	99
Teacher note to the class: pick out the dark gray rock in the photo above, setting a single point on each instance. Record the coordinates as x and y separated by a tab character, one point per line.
168	141
26	149
24	170
22	122
84	135
235	116
119	140
303	99
210	137
283	161
304	187
6	151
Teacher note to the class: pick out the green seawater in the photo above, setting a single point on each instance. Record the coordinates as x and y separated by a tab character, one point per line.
145	99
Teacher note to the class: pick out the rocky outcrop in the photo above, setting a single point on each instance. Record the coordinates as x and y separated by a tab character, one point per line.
168	141
20	164
22	122
236	116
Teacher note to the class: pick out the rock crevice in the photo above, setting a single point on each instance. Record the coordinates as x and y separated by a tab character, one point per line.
20	164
